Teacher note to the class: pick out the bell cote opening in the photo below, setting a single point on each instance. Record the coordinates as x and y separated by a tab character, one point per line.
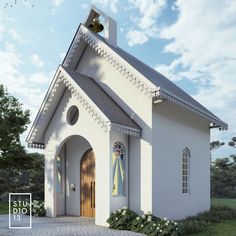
93	22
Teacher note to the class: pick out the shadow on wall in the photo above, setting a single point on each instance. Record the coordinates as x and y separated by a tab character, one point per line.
55	135
98	70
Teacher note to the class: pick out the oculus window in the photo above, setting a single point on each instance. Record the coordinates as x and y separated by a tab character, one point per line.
73	115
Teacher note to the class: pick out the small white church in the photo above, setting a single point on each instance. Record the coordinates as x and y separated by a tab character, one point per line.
118	133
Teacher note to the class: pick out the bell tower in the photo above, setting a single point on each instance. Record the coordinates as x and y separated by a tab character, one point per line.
110	27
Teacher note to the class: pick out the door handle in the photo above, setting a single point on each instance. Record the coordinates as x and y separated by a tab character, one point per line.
94	194
91	194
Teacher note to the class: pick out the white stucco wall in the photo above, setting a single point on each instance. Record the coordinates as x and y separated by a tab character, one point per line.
136	104
61	202
134	174
174	129
120	201
57	133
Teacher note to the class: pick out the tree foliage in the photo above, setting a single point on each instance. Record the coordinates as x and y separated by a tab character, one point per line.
13	122
223	178
19	171
216	144
232	143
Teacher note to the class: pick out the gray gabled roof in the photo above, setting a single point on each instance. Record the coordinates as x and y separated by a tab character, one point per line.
164	83
165	88
103	101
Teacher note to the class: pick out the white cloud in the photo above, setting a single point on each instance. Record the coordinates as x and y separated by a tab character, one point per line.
14	35
57	3
203	40
145	17
24	86
107	3
41	78
35	59
149	11
135	37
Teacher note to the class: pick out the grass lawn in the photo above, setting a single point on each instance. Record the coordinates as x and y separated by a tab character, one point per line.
223	201
4	208
226	228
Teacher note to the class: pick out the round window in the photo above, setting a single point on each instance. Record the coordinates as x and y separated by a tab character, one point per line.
72	115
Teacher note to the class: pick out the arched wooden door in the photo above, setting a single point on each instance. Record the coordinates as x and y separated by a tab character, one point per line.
87	184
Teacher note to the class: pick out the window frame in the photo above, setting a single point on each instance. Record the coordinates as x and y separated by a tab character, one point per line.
186	157
114	149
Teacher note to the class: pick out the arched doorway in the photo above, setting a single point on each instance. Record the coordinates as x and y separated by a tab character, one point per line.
73	151
87	184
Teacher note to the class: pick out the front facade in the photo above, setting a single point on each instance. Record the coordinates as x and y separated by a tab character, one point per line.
117	133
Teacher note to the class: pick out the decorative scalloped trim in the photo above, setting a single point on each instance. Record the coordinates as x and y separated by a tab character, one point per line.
88	107
36	146
100	50
87	37
120	129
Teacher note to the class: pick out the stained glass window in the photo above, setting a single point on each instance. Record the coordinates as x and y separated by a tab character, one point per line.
118	169
59	174
185	170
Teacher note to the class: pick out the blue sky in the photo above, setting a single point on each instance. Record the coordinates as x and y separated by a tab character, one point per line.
191	42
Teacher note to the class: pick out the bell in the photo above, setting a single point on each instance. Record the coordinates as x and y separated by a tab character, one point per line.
95	25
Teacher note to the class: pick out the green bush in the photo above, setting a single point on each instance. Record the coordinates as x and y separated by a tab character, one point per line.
154	226
125	219
121	219
38	208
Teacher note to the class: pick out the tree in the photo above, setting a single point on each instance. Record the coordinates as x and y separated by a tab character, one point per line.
223	178
233	142
13	122
19	171
216	144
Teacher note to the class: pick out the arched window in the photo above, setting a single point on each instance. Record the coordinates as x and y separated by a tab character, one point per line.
185	171
59	174
118	169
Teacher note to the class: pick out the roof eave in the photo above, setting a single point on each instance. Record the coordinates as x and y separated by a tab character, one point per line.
161	95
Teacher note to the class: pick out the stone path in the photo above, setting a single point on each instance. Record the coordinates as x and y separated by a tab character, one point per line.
61	226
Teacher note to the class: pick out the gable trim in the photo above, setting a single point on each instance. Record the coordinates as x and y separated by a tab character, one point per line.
131	73
87	103
111	57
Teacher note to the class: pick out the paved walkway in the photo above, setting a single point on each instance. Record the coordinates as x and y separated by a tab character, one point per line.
65	226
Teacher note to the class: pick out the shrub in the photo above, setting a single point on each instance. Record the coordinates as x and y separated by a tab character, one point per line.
151	225
125	219
154	226
121	219
37	208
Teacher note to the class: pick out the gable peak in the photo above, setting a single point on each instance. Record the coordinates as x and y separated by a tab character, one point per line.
110	26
